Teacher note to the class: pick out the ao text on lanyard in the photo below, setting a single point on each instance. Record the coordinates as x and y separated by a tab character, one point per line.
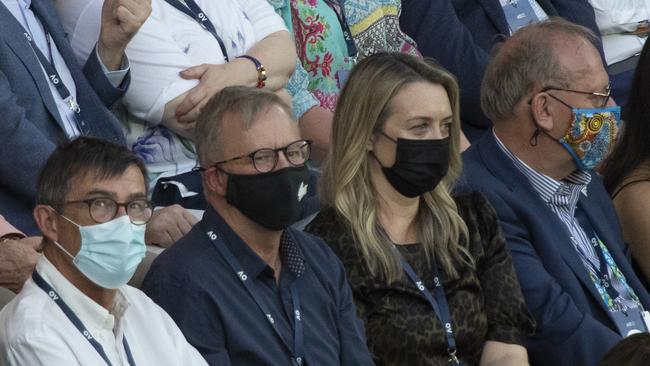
297	351
438	303
193	10
52	73
40	282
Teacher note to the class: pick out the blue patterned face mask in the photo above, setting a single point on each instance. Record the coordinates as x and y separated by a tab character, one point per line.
591	135
110	252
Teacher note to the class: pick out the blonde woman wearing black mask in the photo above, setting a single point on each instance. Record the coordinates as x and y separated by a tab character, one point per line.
431	276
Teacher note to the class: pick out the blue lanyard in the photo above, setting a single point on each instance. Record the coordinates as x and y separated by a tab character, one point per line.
194	11
298	351
337	7
438	304
77	322
50	69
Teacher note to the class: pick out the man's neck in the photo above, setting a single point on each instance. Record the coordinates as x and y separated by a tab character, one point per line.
264	242
538	157
102	296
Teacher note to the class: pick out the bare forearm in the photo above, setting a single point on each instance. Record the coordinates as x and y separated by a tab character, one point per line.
316	125
170	120
503	354
277	53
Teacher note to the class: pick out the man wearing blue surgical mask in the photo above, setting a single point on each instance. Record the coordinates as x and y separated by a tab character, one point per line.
547	92
76	309
245	287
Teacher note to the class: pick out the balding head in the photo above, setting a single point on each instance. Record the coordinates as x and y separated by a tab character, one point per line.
238	106
534	57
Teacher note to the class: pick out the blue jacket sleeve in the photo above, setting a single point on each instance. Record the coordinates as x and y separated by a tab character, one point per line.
19	171
561	326
108	94
439	34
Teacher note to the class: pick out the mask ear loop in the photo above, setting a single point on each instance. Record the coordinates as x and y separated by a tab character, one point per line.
534	138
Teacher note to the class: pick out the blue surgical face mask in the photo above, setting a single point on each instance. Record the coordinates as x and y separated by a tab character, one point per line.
110	252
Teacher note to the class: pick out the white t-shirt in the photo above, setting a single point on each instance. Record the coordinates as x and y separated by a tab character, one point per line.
169	41
34	331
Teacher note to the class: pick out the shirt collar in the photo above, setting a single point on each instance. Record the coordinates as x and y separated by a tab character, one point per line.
290	254
91	314
25	4
548	188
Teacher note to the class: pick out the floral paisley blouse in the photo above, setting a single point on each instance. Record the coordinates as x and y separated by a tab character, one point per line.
320	44
485	302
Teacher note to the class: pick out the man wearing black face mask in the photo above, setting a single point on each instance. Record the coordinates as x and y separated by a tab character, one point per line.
244	288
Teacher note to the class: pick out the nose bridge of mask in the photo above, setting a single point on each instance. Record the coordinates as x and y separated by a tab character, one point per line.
422	151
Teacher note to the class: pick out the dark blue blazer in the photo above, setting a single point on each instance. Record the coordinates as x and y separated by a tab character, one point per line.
460	35
573	326
30	125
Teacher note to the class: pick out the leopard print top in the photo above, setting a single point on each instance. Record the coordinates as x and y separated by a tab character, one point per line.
401	328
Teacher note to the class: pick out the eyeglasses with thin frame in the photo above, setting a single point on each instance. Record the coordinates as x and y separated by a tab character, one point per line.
606	95
266	159
105	209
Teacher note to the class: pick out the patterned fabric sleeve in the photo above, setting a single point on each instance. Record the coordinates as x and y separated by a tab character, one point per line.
509	320
301	99
298	86
375	27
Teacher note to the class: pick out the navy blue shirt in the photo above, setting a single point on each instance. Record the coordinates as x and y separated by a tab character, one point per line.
201	292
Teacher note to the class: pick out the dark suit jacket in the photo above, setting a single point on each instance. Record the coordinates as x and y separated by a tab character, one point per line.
573	326
460	35
30	125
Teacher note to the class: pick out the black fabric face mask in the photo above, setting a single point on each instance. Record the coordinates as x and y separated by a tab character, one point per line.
419	165
270	199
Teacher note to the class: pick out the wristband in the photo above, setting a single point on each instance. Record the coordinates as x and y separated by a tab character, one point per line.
261	71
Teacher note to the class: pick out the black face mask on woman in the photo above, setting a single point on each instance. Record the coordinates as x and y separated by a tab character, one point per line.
270	199
419	165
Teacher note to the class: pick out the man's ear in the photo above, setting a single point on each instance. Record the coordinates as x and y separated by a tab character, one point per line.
47	221
540	110
216	181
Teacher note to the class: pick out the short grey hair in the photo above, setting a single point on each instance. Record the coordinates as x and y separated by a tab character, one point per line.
236	103
526	61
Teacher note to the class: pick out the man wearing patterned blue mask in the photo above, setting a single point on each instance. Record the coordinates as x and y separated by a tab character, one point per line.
547	92
77	309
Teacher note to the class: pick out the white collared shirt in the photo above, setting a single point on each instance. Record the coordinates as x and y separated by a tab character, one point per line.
34	330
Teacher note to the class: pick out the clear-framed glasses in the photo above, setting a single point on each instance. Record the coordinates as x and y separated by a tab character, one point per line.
604	96
265	160
105	209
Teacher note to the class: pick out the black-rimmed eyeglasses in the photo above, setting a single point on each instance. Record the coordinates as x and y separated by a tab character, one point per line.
265	160
105	209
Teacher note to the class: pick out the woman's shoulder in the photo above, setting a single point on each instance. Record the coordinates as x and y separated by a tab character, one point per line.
636	184
481	220
331	227
473	207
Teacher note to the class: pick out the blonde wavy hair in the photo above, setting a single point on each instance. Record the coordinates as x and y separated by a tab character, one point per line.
363	108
